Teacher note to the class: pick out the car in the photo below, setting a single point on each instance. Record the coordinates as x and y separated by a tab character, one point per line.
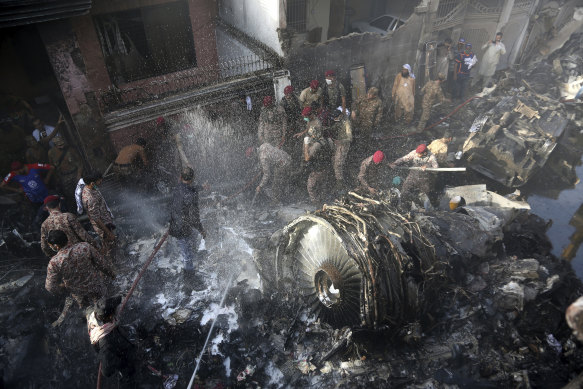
383	24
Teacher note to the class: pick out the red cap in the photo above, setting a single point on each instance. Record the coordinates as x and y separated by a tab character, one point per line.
50	198
421	148
329	73
249	151
314	84
16	165
378	157
288	89
160	120
267	100
307	111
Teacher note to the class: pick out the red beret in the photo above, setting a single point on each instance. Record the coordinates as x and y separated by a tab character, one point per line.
160	120
378	157
421	148
16	165
288	89
50	198
267	100
306	111
314	84
329	73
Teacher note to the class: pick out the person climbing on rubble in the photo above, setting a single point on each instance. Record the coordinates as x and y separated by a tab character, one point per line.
317	155
275	164
312	94
32	185
367	116
403	94
369	175
334	93
185	224
418	181
494	50
272	123
432	94
463	65
62	221
99	213
68	168
110	341
130	161
44	134
78	269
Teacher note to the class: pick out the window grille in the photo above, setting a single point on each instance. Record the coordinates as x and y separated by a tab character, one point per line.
296	15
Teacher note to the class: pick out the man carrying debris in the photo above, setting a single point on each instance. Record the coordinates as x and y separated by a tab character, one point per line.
312	94
367	116
129	159
404	94
334	93
99	213
439	148
272	123
418	181
66	222
369	174
69	168
275	164
494	50
463	65
77	268
432	93
185	220
317	155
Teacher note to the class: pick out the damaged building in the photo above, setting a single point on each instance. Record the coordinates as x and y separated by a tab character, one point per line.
467	286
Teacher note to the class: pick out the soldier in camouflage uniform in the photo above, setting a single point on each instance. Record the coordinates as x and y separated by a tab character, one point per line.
317	155
68	167
418	181
272	123
312	94
99	214
367	116
342	139
432	93
334	93
66	222
79	269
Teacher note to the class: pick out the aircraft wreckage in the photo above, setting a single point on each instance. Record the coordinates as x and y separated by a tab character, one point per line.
362	262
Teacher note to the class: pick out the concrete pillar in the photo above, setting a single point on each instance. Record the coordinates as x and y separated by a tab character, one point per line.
505	14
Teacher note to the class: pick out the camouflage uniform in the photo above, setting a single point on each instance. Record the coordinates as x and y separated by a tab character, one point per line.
333	95
319	152
275	163
307	97
418	181
272	125
96	208
342	146
67	169
82	270
369	113
369	174
291	106
432	94
66	222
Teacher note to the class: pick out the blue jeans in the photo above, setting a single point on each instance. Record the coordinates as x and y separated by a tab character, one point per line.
461	85
189	249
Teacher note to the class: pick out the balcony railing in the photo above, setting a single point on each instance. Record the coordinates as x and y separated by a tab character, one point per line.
143	91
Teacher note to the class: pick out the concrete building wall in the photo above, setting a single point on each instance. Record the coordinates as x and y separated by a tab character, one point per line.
259	19
318	15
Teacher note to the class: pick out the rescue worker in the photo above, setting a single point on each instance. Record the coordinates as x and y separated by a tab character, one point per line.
68	168
312	94
99	213
439	148
317	155
459	48
367	116
78	269
292	109
130	159
432	93
44	134
34	153
334	93
275	164
110	341
444	58
185	224
404	94
418	181
464	63
166	155
62	221
369	174
342	140
272	123
494	50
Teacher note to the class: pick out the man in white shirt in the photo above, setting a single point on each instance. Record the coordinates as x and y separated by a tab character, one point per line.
43	133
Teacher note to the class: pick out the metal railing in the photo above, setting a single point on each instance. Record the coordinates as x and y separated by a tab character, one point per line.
143	91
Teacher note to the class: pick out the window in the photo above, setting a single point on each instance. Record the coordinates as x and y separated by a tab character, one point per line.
146	42
296	15
382	22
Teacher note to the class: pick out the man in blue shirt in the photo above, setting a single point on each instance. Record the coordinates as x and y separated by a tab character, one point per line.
464	62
